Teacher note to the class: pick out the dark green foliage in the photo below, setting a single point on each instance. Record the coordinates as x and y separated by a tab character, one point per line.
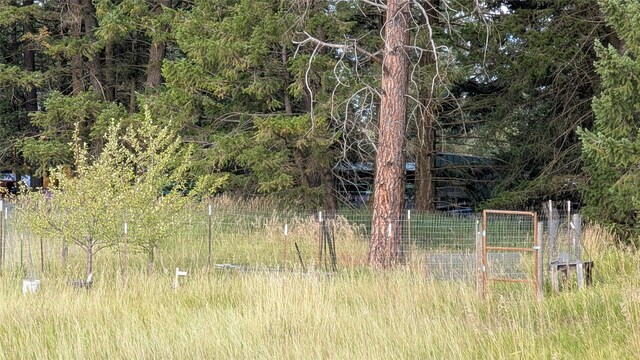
611	150
241	92
57	125
19	77
270	115
534	89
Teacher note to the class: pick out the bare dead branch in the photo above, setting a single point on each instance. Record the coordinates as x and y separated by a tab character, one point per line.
377	4
354	46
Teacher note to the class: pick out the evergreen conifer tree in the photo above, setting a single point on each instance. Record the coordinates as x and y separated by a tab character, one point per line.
611	150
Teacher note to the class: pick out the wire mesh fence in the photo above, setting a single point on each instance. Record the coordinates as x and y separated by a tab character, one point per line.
231	236
564	246
511	251
510	240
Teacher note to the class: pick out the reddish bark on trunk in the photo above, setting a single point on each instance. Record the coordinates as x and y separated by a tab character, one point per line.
388	200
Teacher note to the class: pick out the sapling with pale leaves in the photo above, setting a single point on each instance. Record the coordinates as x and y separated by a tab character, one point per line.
158	192
124	183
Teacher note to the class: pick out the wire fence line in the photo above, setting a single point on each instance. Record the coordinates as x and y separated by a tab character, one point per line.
439	245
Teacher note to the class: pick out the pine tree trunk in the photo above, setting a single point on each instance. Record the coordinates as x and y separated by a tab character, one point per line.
30	96
426	153
154	69
157	51
425	162
93	65
287	81
388	199
109	78
75	27
425	165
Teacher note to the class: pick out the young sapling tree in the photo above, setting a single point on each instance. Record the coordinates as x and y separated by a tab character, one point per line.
124	182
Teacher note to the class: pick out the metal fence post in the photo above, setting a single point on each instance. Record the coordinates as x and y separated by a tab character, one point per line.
576	224
320	239
479	262
540	259
209	238
2	211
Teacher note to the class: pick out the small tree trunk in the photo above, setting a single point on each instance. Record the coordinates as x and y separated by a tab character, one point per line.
152	259
426	153
89	257
299	161
388	191
331	202
425	162
18	176
109	78
132	96
65	252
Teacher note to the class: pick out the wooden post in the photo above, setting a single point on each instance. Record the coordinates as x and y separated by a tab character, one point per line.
554	279
331	242
176	281
304	270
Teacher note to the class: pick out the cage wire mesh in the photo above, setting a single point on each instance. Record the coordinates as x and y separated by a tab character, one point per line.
562	234
440	246
509	243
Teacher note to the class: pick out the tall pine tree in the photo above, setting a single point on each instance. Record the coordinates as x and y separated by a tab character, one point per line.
611	150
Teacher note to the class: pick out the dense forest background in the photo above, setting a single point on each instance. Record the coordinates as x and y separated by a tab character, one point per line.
274	95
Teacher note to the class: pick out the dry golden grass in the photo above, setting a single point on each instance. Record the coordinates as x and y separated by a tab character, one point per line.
278	312
596	239
266	315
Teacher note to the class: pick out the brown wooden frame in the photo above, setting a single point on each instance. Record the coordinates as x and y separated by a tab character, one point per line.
536	249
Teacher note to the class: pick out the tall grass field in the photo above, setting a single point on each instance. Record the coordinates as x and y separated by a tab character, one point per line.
284	313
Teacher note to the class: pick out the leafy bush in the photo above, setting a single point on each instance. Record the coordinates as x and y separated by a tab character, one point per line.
126	183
